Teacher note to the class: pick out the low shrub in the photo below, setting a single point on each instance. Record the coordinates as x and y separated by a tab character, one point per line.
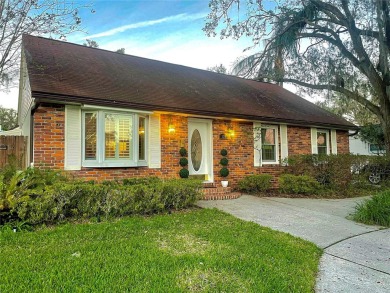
255	183
184	173
136	181
337	173
183	152
80	200
374	211
298	184
224	172
224	161
183	162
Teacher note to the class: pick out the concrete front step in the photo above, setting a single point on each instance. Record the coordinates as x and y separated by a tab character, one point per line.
215	193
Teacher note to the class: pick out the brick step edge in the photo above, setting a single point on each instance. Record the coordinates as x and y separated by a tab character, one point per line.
221	195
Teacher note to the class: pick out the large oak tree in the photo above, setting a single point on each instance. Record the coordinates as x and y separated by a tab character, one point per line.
337	46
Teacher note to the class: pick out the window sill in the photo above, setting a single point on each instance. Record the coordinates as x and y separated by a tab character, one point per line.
114	164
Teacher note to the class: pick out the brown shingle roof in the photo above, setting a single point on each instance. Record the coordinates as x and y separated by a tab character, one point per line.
72	72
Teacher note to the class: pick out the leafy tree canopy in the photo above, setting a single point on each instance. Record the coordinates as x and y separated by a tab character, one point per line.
336	46
91	43
8	118
218	69
54	18
373	133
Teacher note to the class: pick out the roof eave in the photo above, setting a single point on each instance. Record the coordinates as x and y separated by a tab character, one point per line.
64	99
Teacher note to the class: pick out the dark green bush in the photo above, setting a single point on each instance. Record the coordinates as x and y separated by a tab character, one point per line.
184	173
183	162
255	183
224	161
183	152
144	180
224	152
337	172
298	184
224	172
79	200
374	211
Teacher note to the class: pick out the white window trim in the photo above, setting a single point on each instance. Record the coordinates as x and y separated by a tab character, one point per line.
276	161
100	161
258	160
314	140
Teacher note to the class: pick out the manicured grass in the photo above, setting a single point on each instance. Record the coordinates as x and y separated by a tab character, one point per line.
192	251
375	211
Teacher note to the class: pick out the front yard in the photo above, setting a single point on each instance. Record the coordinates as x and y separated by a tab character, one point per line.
194	251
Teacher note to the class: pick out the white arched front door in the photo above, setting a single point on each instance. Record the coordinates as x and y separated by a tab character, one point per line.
200	161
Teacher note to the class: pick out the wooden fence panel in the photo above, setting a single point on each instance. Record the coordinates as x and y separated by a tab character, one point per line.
13	149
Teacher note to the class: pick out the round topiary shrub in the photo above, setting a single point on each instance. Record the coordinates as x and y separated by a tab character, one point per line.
183	152
224	152
224	161
184	173
183	162
224	172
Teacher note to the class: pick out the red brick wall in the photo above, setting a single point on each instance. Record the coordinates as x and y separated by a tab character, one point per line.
49	124
49	131
342	142
299	140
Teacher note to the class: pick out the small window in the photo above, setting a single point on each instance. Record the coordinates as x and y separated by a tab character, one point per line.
268	144
374	148
322	142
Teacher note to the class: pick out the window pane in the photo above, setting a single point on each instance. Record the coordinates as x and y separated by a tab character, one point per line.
118	136
321	139
90	136
268	153
268	148
322	150
268	136
124	130
109	131
141	138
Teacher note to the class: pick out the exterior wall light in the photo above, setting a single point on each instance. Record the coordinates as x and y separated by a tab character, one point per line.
171	127
231	133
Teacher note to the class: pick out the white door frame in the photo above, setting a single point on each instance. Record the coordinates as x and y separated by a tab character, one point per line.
208	154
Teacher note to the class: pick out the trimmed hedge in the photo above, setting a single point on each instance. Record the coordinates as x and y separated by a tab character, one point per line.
255	183
301	184
79	200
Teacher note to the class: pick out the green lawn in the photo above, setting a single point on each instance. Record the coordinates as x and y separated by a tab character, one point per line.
192	251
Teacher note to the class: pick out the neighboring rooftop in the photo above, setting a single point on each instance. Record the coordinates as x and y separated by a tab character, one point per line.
69	72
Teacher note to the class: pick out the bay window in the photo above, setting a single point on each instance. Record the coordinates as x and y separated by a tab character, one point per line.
113	139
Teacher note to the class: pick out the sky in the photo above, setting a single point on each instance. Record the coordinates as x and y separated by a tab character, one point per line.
166	30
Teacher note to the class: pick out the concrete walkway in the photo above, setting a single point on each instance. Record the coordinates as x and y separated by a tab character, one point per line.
356	256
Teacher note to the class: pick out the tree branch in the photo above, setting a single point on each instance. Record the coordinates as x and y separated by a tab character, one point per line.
354	96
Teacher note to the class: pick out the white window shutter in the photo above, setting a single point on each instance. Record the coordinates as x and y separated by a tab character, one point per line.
154	141
257	144
283	142
72	138
314	148
333	141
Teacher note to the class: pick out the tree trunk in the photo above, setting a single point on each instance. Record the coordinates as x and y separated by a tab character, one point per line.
385	121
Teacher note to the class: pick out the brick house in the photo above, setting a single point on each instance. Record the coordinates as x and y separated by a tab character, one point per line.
104	115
